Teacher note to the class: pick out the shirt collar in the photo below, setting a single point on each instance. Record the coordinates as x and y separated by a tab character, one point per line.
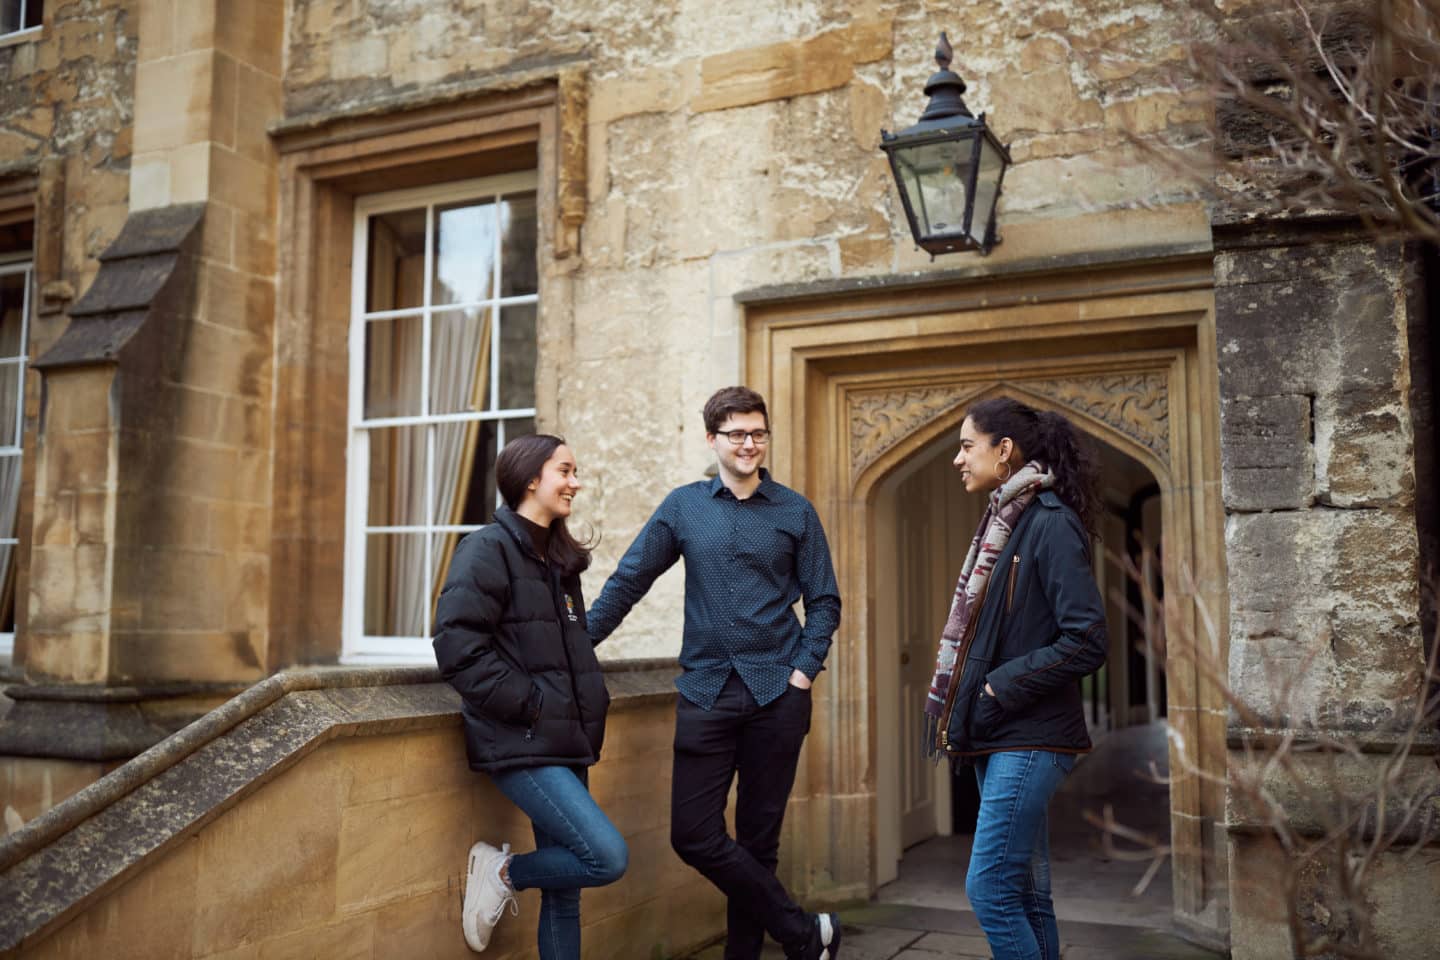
764	490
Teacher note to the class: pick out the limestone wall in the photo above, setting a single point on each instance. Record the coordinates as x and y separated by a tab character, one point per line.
1324	579
1319	484
358	847
735	145
67	96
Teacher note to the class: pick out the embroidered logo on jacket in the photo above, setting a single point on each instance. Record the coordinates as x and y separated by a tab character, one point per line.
570	608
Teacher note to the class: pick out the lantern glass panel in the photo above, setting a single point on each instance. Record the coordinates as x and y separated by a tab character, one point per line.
987	187
937	178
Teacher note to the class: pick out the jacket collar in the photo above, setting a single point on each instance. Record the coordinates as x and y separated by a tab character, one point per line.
514	526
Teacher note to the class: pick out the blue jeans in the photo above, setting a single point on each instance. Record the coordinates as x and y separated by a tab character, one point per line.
576	846
1009	878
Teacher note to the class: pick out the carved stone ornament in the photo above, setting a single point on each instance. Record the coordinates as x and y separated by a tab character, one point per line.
880	420
1135	404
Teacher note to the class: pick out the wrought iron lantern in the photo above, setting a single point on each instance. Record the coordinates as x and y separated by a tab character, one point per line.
948	168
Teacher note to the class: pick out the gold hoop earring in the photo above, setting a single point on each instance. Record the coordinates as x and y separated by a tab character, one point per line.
996	470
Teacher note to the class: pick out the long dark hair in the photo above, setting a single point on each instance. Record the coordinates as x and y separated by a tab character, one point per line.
1052	440
521	462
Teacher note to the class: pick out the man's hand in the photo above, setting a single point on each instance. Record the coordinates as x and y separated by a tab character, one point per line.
798	679
988	691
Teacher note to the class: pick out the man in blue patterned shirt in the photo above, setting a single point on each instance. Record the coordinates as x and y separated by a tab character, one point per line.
752	547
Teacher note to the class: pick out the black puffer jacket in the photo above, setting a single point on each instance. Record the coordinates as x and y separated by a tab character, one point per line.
510	637
1041	628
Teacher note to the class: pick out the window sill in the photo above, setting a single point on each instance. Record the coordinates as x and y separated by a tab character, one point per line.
20	36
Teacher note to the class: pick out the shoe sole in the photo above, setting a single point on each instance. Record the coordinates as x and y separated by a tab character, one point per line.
829	936
469	914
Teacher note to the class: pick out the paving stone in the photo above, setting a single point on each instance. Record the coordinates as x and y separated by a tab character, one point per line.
951	945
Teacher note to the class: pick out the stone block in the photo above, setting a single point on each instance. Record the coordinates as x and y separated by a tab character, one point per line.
157	29
253	34
1268	463
662	89
263	106
1306	321
791	69
1365	448
78	462
64	654
268	866
426	925
1305	586
226	361
398	848
180	655
176	99
1044	100
68	585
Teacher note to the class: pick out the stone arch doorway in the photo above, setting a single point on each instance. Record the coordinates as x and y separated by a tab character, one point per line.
860	379
920	519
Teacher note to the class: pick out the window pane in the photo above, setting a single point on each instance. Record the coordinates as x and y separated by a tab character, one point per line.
464	473
397	477
9	16
12	317
9	494
465	252
517	357
392	367
395	584
9	404
517	264
396	278
34	9
460	360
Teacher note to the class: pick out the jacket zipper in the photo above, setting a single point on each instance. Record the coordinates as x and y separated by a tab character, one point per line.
1010	590
560	617
943	738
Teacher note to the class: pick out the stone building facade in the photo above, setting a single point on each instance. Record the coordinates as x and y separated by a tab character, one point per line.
256	236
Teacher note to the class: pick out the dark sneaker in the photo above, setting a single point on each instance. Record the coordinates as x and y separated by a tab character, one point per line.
829	935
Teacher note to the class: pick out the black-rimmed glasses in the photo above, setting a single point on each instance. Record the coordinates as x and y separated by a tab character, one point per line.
737	437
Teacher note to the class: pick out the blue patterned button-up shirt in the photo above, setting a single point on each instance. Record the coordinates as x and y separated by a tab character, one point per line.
746	563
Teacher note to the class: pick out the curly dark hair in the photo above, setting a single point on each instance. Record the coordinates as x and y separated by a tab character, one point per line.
1052	440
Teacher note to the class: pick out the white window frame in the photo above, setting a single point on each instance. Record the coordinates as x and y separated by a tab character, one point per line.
26	266
23	32
356	647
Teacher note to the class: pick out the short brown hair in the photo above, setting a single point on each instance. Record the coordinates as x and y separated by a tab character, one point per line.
732	400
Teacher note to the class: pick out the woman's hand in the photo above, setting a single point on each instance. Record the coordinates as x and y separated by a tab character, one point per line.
798	679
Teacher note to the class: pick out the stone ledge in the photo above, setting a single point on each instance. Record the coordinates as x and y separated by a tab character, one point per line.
65	859
977	272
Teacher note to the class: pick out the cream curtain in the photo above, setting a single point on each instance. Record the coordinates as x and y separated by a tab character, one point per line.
395	589
459	380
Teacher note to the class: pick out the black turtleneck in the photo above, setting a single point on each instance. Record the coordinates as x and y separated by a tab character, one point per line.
539	536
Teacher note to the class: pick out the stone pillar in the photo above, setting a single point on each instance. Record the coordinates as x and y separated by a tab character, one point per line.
1319	471
149	578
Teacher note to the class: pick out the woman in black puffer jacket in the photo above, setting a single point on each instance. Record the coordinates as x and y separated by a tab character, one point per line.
510	637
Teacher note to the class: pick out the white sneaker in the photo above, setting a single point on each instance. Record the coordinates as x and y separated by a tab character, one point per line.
829	935
485	894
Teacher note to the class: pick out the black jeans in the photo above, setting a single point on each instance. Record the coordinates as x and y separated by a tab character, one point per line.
762	745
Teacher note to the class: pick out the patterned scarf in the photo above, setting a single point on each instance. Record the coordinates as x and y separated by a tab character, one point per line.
1006	505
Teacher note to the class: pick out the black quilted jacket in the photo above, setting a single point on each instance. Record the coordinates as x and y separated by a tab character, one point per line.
510	637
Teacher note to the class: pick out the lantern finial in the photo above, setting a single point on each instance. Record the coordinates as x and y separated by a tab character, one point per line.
943	53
